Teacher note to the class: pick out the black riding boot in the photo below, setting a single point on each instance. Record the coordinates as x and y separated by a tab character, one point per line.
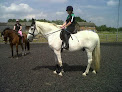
66	41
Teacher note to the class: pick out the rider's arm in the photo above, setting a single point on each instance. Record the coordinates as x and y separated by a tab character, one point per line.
63	25
14	27
69	23
20	28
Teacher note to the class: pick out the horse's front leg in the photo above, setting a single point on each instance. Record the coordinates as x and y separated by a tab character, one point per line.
59	67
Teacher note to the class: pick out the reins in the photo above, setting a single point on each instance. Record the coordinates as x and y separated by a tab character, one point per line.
52	32
55	32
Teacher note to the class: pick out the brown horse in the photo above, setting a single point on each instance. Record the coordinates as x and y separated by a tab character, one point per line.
14	39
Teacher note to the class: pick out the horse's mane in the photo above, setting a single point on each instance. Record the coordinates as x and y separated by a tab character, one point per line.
53	24
7	29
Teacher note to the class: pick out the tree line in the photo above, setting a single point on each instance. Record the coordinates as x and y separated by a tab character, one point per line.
77	18
58	22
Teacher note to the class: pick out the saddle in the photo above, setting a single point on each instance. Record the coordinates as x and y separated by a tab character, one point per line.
64	40
69	35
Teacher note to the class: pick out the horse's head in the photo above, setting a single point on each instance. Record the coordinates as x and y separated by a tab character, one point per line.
32	31
4	34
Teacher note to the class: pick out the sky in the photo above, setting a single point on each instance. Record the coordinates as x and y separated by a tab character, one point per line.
100	12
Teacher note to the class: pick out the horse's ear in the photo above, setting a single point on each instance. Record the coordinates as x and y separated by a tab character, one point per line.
33	22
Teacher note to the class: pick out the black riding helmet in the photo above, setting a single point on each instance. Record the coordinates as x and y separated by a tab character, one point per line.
69	8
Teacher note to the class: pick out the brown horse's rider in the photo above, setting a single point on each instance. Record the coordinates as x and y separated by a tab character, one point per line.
17	28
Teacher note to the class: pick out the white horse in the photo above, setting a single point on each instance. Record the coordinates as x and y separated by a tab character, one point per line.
83	39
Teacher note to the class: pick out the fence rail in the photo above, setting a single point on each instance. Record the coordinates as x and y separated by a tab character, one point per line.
110	37
103	38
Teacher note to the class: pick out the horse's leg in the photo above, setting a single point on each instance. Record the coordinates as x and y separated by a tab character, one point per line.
89	54
59	69
25	42
12	50
22	49
17	50
25	47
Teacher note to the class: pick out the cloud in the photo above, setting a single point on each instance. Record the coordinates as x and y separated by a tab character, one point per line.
52	1
20	11
58	1
17	8
112	3
60	13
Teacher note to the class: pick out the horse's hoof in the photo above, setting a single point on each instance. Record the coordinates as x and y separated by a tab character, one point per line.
94	72
60	74
84	74
55	72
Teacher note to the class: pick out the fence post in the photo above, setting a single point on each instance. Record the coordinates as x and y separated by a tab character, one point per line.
106	37
116	37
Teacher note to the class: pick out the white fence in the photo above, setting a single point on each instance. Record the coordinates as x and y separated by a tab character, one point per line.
110	37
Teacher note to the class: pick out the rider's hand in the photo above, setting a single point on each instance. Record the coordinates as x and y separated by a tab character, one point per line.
62	27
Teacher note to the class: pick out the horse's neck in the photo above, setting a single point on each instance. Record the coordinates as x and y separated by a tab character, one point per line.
11	35
47	30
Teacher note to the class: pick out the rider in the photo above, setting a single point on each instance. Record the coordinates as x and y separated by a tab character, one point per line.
69	26
18	29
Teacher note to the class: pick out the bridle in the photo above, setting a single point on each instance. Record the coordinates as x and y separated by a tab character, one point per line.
33	31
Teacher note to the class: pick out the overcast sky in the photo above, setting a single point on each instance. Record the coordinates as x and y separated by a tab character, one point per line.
98	11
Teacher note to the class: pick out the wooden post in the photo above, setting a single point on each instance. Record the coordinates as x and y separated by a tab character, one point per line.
106	37
117	37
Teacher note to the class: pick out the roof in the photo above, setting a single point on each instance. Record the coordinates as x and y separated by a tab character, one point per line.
28	23
22	23
88	24
3	24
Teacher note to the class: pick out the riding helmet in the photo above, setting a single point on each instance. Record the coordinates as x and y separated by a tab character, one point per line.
17	20
69	8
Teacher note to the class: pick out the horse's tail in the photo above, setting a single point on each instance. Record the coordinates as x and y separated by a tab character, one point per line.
96	56
28	45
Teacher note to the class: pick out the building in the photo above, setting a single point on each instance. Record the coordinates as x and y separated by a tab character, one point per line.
2	26
85	26
25	25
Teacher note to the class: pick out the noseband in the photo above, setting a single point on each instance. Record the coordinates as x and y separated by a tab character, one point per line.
33	32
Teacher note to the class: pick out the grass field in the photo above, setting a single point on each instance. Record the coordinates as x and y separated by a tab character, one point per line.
104	37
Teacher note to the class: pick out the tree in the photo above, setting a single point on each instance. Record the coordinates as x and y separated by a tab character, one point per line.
120	29
12	20
58	22
78	19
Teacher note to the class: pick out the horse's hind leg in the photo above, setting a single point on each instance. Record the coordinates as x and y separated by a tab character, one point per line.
89	54
17	50
25	47
22	49
12	50
59	69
